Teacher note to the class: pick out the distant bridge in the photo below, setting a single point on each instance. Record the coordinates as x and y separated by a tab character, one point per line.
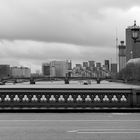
33	80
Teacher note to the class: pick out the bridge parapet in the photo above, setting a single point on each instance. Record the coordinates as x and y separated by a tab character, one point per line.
69	98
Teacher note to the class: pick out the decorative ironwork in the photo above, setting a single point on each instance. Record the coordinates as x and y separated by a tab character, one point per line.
68	98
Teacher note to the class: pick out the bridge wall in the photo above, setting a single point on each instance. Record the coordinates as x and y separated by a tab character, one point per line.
69	98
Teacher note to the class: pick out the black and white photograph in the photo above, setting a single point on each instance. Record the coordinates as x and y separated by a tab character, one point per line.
69	70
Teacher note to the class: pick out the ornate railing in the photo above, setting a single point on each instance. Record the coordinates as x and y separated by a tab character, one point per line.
68	98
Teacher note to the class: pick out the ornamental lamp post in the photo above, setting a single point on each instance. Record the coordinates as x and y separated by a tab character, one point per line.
135	32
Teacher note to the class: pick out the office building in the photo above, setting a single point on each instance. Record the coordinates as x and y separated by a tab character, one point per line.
132	48
85	64
58	68
91	64
69	68
46	69
52	71
79	65
20	72
4	71
69	64
98	64
106	64
114	68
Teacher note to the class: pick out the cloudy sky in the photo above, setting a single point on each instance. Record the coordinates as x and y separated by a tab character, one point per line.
36	31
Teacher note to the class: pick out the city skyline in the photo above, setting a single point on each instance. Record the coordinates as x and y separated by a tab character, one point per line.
36	31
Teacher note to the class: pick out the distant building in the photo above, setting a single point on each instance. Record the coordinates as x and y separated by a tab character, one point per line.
69	68
46	69
79	65
52	71
91	63
107	65
85	64
78	68
114	68
98	64
122	55
4	71
58	68
20	72
69	64
132	49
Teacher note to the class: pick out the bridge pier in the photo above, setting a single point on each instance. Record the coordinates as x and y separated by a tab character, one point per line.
98	81
32	81
66	80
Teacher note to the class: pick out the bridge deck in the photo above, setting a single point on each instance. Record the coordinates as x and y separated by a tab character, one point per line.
70	126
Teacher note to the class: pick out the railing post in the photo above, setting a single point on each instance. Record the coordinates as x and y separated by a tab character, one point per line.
134	98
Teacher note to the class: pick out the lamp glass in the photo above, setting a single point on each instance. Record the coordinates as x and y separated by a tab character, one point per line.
135	33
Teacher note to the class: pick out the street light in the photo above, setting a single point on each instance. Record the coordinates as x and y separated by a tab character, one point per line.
135	32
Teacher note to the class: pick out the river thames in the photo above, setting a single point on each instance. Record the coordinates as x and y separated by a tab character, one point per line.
73	84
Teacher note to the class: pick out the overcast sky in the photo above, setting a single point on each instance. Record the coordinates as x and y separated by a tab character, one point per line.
37	31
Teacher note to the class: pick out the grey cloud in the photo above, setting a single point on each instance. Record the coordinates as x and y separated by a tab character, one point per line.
36	31
121	4
40	51
81	22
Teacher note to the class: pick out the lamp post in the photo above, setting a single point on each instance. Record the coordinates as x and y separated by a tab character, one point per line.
135	32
